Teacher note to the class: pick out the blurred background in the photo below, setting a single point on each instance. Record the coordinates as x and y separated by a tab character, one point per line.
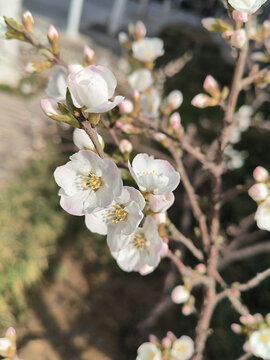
59	285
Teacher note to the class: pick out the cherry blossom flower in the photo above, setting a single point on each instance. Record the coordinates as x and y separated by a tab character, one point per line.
87	182
57	84
180	294
148	351
258	192
260	174
125	146
182	348
92	87
126	107
83	141
249	6
240	16
259	343
262	215
141	248
150	103
122	216
148	49
160	203
140	79
154	175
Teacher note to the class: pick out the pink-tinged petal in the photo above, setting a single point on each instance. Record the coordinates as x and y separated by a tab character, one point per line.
106	106
95	223
161	203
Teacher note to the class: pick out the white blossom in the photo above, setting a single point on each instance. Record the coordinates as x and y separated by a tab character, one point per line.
260	174
174	99
3	28
122	216
249	6
92	88
83	141
259	343
148	49
154	175
180	294
87	182
57	84
262	215
150	103
141	248
258	192
140	79
5	345
182	348
148	351
160	203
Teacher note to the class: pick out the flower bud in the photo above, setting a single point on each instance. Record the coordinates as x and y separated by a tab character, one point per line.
180	295
166	343
211	86
139	30
126	107
50	107
175	120
146	269
171	335
258	317
260	174
209	23
202	101
201	268
247	319
258	192
82	140
28	21
123	38
53	38
125	146
240	16
236	328
227	34
89	57
165	249
239	38
187	309
174	99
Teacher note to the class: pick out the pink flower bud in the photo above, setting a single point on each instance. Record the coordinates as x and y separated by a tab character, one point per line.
171	335
135	95
30	68
187	310
89	56
140	29
258	192
125	146
175	120
52	33
209	23
28	21
174	99
211	86
166	342
146	269
180	295
202	101
126	107
50	107
247	319
152	338
201	268
164	250
238	38
240	16
260	174
236	328
258	317
227	34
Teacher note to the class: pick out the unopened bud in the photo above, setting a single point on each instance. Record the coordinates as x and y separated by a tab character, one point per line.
166	342
123	38
126	107
53	38
180	295
139	30
260	174
125	146
202	101
236	328
89	57
211	86
175	120
82	140
50	107
187	309
239	38
28	21
227	34
258	192
209	23
247	319
240	16
201	268
174	99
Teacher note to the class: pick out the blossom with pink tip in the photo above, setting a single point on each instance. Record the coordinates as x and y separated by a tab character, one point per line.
140	30
52	33
240	16
160	203
258	192
28	21
140	79
202	101
125	146
183	348
126	107
238	38
50	107
180	294
249	6
92	88
89	56
166	342
175	120
211	86
260	174
154	175
259	343
209	23
262	215
236	328
87	182
148	351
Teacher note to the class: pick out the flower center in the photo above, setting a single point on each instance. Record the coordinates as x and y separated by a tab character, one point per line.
90	181
149	172
116	214
265	338
139	242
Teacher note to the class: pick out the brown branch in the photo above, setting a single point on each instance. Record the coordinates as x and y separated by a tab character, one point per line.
91	132
251	79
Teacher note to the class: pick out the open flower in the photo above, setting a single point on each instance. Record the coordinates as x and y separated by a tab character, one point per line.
259	343
154	175
148	351
122	216
183	348
57	84
249	6
92	87
150	103
141	248
140	79
148	49
262	215
87	182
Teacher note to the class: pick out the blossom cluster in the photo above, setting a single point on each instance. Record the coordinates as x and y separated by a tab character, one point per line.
257	329
169	348
260	192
